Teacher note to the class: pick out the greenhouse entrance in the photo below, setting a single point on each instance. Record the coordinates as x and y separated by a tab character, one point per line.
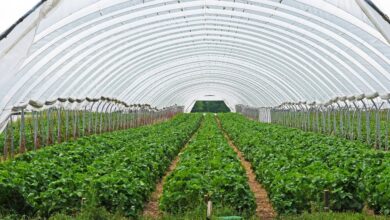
210	106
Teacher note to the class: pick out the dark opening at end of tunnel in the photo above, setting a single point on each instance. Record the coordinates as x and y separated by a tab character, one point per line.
214	106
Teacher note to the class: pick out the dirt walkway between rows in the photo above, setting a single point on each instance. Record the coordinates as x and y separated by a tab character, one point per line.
152	210
264	208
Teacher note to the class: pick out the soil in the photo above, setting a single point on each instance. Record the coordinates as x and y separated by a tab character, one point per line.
264	209
151	209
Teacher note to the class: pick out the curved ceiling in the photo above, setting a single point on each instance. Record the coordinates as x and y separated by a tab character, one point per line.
164	52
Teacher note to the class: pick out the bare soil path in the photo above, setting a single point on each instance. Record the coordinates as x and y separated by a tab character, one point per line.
151	209
264	209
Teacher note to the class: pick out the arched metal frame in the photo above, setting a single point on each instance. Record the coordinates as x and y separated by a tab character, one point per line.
255	52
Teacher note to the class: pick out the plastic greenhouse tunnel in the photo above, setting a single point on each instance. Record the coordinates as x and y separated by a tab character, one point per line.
195	109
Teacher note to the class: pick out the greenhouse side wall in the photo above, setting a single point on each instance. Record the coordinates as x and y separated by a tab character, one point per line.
364	118
34	125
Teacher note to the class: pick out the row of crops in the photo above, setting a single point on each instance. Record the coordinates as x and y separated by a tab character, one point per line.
371	127
363	117
35	129
208	167
117	171
296	167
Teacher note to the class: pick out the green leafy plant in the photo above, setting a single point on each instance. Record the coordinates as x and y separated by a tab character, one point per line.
208	167
119	170
296	167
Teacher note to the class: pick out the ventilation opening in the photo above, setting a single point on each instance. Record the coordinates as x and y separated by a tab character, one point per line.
210	106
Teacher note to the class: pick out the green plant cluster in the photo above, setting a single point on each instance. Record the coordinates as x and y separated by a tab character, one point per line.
117	171
46	137
350	120
208	167
296	167
376	180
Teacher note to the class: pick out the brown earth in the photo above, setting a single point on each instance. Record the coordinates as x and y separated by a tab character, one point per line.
264	209
151	209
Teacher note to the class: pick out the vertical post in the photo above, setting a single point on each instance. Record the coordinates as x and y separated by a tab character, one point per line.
75	121
12	137
131	115
126	117
351	117
377	134
359	118
59	124
376	115
386	99
84	123
344	119
300	115
49	141
317	115
119	117
5	149
295	115
387	127
334	121
66	124
329	116
341	125
109	122
304	116
352	122
326	200
116	118
104	113
209	209
97	116
90	119
323	116
51	120
113	117
123	117
308	120
80	117
22	137
289	115
136	116
41	126
35	121
368	140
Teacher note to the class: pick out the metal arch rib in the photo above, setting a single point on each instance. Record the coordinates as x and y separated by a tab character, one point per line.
186	92
184	68
239	67
224	74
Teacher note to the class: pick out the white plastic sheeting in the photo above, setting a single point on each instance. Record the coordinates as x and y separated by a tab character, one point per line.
165	52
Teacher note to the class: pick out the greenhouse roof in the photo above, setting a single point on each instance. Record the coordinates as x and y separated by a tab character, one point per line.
163	52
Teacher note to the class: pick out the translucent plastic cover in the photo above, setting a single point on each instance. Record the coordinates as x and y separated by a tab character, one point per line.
256	52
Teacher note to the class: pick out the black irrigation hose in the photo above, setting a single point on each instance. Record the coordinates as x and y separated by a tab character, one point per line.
20	20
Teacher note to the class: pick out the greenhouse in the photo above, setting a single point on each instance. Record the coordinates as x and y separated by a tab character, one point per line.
196	109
